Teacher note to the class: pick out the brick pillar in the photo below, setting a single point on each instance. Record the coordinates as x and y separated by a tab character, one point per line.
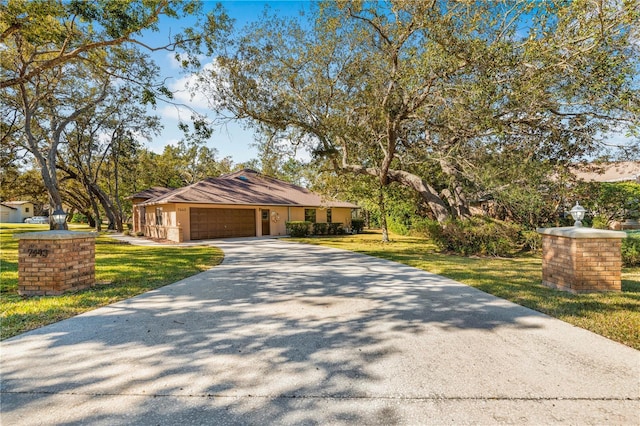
581	260
52	262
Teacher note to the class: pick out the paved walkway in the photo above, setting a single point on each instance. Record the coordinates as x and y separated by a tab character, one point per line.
283	333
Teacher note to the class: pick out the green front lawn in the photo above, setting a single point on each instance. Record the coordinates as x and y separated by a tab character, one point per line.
613	315
122	271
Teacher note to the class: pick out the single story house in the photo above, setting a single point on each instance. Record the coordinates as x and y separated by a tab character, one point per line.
15	211
241	204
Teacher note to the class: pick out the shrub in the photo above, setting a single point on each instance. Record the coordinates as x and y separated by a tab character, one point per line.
336	229
631	251
397	226
476	236
424	226
600	222
298	228
319	228
530	240
357	225
78	218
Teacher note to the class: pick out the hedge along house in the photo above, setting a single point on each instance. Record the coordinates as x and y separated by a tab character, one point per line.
240	204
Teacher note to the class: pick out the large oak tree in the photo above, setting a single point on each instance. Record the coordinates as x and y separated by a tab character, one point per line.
407	91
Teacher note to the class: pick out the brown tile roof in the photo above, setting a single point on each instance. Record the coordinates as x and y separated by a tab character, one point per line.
610	172
153	192
246	187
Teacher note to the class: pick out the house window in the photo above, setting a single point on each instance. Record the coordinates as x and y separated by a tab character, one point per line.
310	215
328	215
26	209
159	216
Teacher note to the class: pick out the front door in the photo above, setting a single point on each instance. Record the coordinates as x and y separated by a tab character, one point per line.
266	228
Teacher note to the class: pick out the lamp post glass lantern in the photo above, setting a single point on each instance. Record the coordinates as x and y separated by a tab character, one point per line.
59	217
577	212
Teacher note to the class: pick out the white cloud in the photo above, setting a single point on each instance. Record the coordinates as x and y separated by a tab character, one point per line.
229	140
174	63
183	92
158	145
175	113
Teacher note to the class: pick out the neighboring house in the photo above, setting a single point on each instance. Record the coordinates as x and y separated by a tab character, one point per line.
15	211
625	171
240	204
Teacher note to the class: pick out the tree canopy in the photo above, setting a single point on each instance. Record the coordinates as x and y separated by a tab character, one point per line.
451	99
65	66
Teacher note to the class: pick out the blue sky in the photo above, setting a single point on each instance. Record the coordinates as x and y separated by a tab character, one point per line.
231	140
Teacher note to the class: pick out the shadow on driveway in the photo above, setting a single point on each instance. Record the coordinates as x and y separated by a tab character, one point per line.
285	333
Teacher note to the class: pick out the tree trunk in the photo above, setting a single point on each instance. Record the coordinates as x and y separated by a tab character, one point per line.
55	199
90	219
97	223
427	192
50	179
455	194
115	222
383	216
458	202
113	215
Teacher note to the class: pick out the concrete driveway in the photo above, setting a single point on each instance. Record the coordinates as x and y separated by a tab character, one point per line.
283	333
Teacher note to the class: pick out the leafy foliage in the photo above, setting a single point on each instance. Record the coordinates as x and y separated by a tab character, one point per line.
75	81
298	228
454	100
357	225
631	250
335	228
477	236
301	229
611	201
320	228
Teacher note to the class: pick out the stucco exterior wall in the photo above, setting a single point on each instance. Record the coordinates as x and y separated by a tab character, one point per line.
277	223
341	215
338	214
295	214
168	229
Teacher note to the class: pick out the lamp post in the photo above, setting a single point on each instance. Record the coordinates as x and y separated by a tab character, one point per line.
577	212
59	217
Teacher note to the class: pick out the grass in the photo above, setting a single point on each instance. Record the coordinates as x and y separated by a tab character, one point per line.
613	315
122	271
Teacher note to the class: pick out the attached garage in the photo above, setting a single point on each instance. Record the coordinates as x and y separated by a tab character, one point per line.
207	223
